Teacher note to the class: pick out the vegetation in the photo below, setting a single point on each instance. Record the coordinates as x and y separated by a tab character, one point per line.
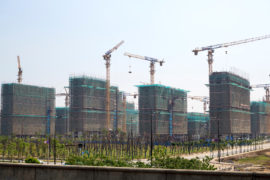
32	160
260	160
115	149
167	162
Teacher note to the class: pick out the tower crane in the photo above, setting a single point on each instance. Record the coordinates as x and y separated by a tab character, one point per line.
211	48
266	88
124	127
107	58
66	94
203	99
152	64
19	70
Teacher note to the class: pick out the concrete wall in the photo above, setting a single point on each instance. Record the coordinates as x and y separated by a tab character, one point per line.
10	171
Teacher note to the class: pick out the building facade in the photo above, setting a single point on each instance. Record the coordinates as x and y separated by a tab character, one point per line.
260	118
164	109
27	110
229	105
198	125
88	105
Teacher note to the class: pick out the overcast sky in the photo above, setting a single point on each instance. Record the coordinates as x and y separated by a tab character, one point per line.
59	38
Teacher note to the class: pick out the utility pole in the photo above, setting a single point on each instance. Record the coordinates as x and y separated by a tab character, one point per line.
132	145
54	150
151	137
218	142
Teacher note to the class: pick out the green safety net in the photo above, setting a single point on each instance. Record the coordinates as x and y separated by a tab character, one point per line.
32	116
229	77
163	86
232	110
198	117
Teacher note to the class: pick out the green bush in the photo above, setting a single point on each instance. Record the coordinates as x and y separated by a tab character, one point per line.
32	160
96	161
163	162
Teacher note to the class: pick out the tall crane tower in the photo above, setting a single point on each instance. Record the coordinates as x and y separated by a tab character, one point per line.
211	48
124	127
66	95
19	70
203	99
107	58
152	64
266	88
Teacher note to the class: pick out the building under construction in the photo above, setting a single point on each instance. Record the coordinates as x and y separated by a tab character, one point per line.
164	109
229	105
62	121
88	105
132	121
27	110
198	125
260	118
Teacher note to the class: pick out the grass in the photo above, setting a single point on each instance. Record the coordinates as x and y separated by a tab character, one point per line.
260	160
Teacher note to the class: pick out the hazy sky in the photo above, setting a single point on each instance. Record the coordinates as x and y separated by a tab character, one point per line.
59	38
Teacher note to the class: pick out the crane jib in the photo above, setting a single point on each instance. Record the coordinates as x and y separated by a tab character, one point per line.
150	59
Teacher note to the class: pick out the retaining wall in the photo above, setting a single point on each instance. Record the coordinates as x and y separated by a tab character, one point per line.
10	171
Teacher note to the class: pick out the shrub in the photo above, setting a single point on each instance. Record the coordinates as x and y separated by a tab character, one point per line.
32	160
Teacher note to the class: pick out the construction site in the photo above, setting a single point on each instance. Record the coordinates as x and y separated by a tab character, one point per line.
162	110
27	110
62	120
229	105
132	119
260	118
198	125
88	106
93	105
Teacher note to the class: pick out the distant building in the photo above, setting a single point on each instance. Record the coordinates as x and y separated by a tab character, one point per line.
198	125
165	107
62	121
132	119
27	110
229	105
260	118
88	105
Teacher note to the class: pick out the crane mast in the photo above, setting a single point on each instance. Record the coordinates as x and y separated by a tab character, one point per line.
152	64
107	58
66	94
211	48
124	127
266	88
203	99
19	70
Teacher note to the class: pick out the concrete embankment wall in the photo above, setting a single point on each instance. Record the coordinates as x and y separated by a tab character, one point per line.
10	171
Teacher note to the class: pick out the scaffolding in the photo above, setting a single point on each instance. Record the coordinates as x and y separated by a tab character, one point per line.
163	107
260	118
61	122
132	119
27	110
229	104
88	105
198	125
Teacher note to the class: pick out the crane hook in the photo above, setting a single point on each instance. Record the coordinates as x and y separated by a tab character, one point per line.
129	70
